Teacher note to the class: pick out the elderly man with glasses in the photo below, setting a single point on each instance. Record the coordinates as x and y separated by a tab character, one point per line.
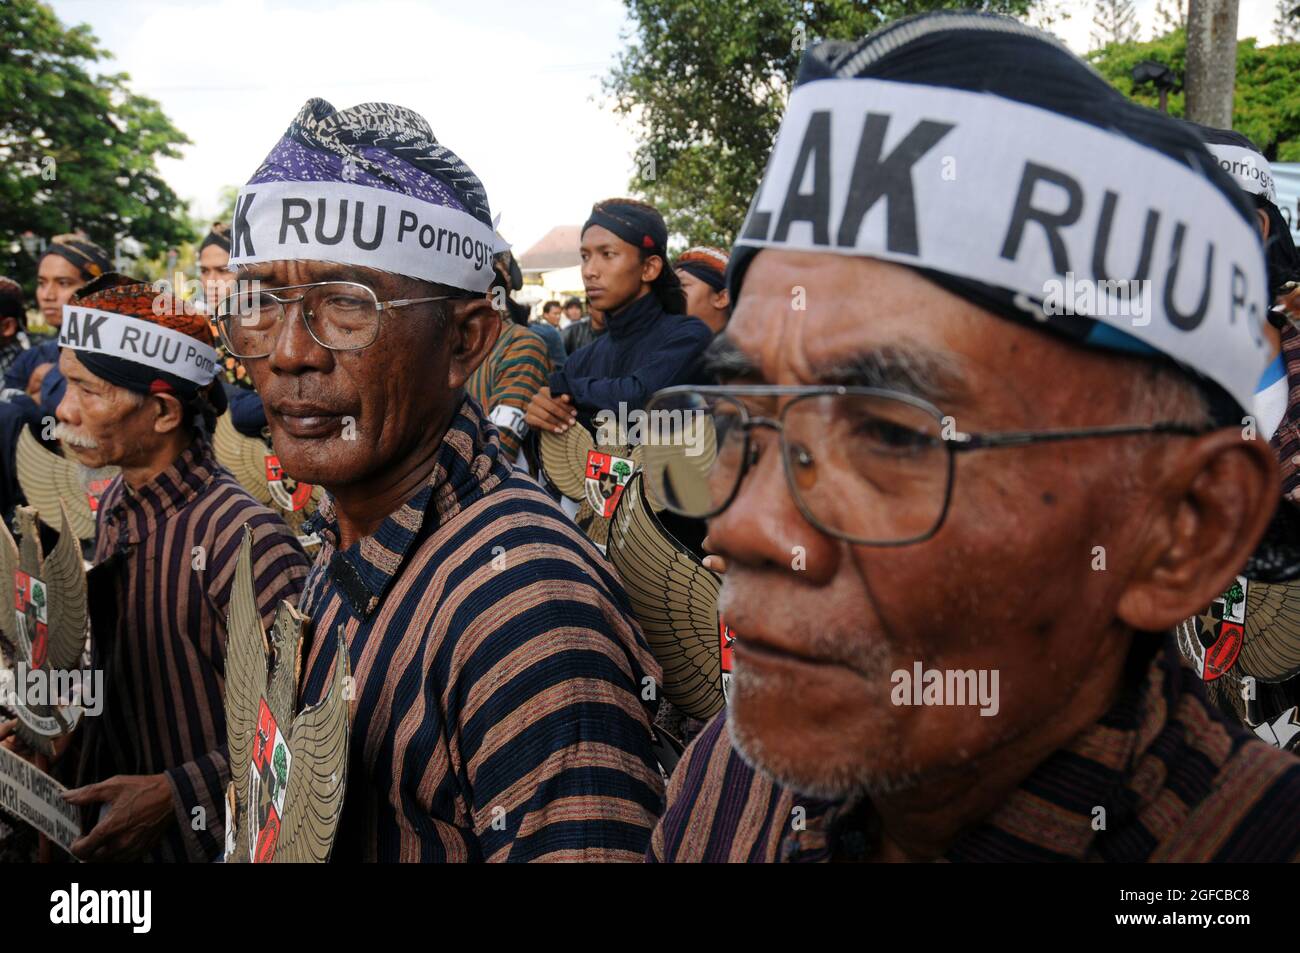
141	395
958	524
503	692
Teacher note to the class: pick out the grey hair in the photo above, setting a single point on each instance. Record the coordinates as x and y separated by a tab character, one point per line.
1165	392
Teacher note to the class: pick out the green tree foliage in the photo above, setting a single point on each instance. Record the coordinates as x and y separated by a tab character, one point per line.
707	81
1266	101
77	148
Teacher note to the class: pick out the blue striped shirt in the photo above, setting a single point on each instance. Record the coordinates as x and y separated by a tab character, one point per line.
499	675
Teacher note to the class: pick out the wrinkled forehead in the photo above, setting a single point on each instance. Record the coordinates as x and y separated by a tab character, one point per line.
70	366
800	313
272	274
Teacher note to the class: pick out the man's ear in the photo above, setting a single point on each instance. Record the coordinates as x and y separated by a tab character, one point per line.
1265	226
8	327
473	327
722	299
1220	491
651	268
170	413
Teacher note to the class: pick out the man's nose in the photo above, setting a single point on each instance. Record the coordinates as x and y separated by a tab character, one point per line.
763	525
295	349
67	411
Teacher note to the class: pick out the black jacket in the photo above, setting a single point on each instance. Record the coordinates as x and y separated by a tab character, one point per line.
644	349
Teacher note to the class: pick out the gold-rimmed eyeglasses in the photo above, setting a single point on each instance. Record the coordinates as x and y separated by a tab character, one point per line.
339	315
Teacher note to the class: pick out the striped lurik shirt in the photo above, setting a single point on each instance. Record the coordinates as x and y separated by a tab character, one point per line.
497	711
1286	442
1178	782
159	606
511	376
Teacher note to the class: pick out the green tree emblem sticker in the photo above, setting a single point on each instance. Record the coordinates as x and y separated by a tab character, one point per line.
1234	595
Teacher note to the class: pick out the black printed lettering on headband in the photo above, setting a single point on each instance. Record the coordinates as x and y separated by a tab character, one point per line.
406	222
1025	212
1241	301
82	330
1053	223
1193	318
243	233
378	237
1102	242
296	223
890	178
320	223
873	177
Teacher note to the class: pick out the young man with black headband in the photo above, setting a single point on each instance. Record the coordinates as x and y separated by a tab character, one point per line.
651	342
960	523
214	266
68	263
702	271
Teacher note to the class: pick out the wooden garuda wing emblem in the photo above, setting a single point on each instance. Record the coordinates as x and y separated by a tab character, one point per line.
1253	630
253	462
1271	650
43	627
49	478
675	599
591	474
287	771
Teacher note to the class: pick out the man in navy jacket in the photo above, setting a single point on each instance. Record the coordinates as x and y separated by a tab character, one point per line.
651	343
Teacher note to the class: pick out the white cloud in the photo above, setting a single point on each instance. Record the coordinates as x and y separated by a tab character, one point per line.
1254	18
512	87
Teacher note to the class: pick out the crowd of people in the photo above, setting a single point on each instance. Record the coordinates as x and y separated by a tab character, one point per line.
914	477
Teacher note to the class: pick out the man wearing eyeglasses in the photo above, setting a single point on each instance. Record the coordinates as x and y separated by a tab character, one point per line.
499	676
152	765
958	523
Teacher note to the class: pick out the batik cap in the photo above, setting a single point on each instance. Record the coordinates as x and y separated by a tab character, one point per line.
119	334
369	186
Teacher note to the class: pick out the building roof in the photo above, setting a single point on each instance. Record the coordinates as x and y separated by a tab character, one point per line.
558	248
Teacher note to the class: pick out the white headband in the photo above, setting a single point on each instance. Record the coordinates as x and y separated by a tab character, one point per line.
1250	169
982	188
138	341
353	224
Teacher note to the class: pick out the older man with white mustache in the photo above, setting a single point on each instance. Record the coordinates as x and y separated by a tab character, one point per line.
142	396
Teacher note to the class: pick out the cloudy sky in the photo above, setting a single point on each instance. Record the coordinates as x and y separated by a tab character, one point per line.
513	86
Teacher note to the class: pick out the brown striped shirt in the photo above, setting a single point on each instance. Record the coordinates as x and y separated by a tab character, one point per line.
1286	442
498	709
165	559
507	381
1177	780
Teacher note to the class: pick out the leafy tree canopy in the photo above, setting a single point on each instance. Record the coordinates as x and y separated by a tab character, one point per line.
707	81
1266	100
78	149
